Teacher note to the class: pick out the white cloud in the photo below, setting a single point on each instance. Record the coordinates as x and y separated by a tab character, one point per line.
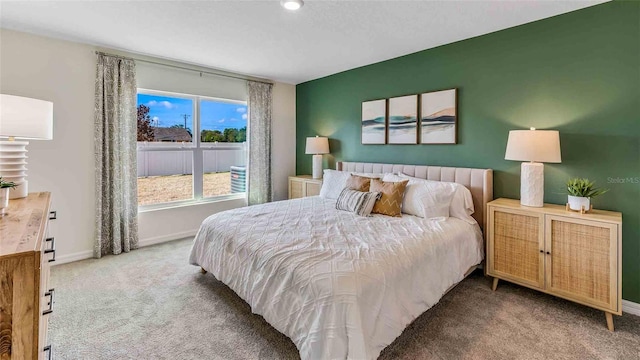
155	118
165	104
244	116
241	110
221	121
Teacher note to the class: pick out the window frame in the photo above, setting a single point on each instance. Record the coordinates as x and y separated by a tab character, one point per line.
196	148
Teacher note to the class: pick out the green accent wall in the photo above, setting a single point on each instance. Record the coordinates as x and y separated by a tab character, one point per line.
578	73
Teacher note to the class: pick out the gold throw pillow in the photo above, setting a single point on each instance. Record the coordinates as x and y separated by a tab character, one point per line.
390	203
358	183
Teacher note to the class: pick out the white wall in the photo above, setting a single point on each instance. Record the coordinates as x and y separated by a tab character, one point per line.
64	72
283	139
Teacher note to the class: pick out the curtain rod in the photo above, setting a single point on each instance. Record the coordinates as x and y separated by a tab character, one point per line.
185	68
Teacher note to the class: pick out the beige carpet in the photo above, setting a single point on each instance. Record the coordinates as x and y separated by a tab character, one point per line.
150	304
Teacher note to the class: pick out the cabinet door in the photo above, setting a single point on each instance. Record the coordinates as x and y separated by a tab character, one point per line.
295	188
312	188
516	239
583	260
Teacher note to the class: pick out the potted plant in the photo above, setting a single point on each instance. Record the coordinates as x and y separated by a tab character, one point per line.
4	194
580	193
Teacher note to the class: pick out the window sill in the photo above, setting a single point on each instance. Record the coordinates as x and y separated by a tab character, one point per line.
188	203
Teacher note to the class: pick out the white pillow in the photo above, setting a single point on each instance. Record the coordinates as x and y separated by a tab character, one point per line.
333	181
423	198
461	206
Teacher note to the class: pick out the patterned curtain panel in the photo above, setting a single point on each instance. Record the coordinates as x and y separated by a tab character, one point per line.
260	101
115	153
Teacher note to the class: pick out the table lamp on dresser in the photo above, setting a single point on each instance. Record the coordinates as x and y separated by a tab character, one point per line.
21	118
317	146
533	147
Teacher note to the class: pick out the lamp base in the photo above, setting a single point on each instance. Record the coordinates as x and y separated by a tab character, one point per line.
317	167
13	166
532	184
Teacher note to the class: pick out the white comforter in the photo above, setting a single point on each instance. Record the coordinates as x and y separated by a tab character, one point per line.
339	285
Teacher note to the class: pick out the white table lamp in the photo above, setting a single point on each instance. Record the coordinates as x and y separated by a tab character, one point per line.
317	146
537	147
21	118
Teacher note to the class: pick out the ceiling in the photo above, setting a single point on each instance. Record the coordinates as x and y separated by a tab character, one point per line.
262	39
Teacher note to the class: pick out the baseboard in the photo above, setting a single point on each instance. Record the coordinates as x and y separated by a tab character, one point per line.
83	255
630	307
165	238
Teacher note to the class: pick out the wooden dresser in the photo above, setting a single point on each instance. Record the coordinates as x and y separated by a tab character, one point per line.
303	186
25	297
567	254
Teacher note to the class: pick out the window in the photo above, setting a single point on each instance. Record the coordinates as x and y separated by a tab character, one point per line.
189	147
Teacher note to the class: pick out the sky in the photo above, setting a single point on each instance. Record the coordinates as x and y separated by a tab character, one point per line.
167	111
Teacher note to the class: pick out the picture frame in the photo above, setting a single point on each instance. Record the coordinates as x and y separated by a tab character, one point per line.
402	120
439	117
374	122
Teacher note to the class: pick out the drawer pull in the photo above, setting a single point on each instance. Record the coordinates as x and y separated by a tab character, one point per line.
53	215
52	249
50	294
48	350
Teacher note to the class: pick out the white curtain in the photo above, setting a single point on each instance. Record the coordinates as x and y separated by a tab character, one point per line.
115	154
259	126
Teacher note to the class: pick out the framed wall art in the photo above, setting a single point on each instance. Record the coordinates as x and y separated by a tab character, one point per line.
438	117
374	115
403	120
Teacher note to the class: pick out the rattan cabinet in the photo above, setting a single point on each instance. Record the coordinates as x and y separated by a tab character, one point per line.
303	186
574	256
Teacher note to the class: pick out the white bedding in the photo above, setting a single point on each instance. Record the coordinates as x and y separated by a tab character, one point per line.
339	285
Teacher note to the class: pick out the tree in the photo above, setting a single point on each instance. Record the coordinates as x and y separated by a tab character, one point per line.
242	135
228	135
145	131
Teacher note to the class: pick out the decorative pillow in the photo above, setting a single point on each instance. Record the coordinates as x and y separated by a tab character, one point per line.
333	181
390	202
359	183
461	206
424	198
358	202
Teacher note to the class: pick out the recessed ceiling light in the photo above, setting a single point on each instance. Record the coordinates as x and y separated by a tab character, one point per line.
291	4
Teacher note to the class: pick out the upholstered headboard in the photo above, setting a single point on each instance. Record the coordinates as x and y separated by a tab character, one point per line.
478	181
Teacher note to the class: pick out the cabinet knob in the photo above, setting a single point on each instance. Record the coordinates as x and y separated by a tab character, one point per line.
48	350
52	249
548	253
541	251
50	294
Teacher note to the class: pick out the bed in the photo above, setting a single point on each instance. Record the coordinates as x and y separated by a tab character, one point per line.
339	285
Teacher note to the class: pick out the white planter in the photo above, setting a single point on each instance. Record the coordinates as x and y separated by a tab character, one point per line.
578	203
4	200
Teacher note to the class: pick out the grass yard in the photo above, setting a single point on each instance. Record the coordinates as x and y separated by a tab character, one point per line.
159	189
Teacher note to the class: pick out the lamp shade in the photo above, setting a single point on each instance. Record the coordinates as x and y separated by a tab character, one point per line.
317	145
534	145
25	118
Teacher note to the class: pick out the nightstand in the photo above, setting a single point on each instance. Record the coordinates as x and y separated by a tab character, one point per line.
303	185
574	256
